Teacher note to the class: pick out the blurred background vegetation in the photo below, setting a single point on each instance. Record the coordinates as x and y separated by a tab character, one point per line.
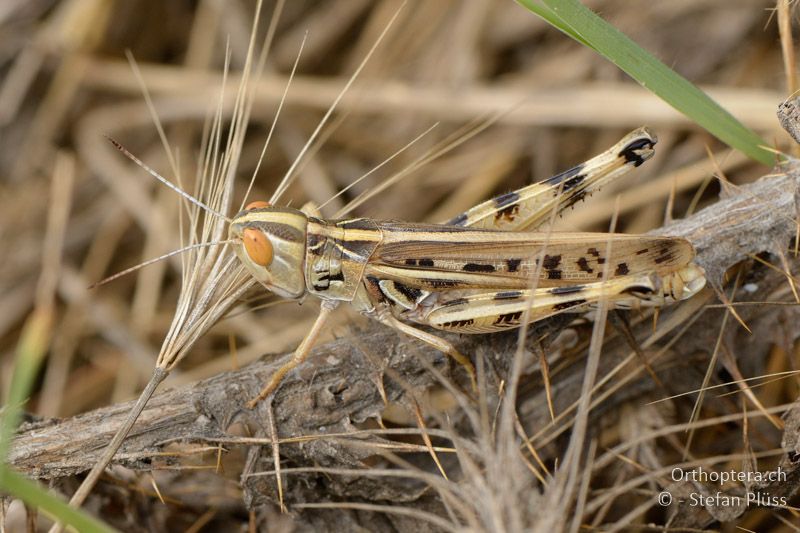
525	101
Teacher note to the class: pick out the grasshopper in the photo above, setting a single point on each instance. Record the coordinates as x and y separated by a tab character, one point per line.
477	273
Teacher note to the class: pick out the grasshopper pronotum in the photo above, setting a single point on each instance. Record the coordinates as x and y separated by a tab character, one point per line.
477	273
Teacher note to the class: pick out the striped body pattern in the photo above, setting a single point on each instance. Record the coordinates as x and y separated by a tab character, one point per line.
479	272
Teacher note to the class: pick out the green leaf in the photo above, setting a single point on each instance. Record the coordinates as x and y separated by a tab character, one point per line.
36	496
580	23
31	349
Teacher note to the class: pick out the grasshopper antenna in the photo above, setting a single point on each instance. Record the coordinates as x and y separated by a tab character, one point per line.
156	260
165	181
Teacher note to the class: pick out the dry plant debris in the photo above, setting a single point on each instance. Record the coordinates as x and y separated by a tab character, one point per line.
353	450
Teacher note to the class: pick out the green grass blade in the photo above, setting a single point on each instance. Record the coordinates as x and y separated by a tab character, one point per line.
580	23
31	349
36	496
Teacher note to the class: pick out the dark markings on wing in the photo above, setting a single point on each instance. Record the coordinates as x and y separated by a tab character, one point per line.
665	254
507	257
420	262
642	251
551	261
583	264
477	267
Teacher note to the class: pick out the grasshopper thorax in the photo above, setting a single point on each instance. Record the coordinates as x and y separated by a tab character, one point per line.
270	242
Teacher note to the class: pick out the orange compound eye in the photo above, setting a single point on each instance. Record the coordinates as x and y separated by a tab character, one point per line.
257	246
258	204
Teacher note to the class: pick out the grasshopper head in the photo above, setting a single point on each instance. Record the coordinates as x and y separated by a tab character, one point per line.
271	243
